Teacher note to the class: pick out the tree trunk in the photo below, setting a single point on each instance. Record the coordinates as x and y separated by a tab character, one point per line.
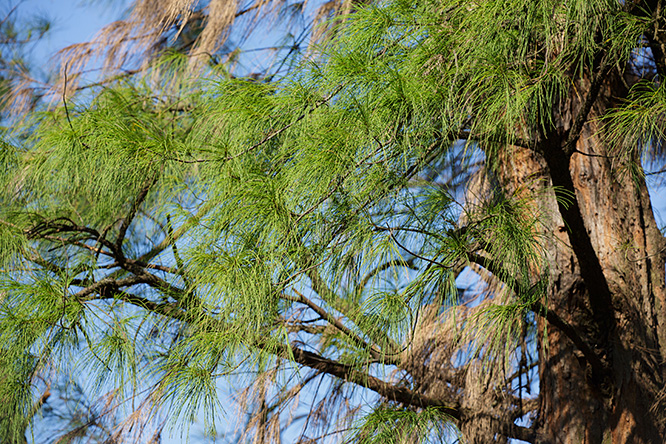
606	280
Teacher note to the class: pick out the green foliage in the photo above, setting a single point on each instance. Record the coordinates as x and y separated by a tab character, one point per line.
164	235
389	425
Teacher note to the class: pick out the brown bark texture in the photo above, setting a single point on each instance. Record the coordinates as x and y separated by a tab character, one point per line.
605	224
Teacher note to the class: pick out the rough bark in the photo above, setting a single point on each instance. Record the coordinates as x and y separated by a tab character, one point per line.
609	227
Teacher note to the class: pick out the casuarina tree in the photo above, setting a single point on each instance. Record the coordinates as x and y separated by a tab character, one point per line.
436	226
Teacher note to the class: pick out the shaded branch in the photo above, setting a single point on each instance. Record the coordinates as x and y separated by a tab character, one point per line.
654	10
598	291
63	240
579	122
179	262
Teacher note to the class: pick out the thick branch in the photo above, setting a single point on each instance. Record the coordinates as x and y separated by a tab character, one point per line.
328	366
557	156
103	286
303	357
592	94
348	373
656	40
166	309
513	431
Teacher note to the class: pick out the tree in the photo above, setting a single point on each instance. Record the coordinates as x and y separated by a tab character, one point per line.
310	230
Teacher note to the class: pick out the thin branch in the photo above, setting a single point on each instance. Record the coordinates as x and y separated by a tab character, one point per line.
180	267
376	354
321	288
47	265
576	151
409	263
334	185
430	261
296	327
37	406
166	309
63	240
54	226
180	231
64	102
274	133
127	220
654	173
163	268
590	98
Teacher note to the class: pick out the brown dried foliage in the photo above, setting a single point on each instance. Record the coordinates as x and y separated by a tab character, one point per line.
130	46
480	391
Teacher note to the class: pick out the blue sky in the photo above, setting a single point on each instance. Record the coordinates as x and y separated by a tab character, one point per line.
72	21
